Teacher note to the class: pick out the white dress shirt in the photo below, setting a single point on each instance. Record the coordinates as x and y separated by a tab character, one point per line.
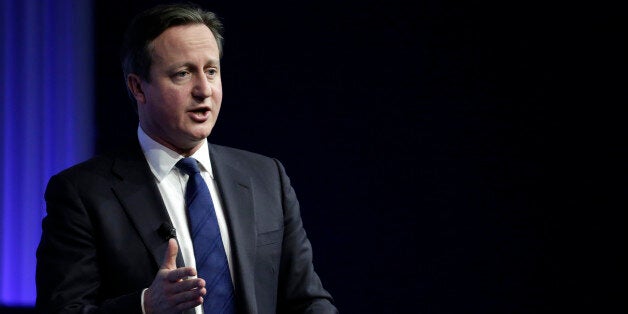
171	183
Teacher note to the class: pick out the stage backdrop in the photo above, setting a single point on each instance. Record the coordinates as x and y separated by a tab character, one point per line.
46	122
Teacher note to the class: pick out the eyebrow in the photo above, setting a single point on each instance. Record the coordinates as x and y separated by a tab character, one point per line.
193	65
212	62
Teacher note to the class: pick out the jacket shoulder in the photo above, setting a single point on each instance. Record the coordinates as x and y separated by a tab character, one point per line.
240	158
129	156
97	165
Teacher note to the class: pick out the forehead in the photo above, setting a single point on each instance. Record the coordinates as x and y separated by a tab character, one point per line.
182	41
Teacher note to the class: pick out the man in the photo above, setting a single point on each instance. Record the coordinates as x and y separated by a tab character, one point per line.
108	239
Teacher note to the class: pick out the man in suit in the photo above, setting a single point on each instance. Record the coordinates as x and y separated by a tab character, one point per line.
108	238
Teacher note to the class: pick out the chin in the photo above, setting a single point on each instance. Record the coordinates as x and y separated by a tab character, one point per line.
200	135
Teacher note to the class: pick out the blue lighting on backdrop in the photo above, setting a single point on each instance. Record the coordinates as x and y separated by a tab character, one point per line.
46	122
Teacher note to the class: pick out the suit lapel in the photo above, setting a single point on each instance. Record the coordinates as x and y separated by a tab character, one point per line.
137	192
236	192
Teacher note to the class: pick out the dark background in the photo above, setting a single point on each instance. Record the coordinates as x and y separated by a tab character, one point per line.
448	157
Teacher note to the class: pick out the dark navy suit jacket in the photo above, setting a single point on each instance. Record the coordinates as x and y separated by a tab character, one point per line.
103	236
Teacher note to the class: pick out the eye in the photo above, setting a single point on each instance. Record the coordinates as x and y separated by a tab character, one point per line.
211	72
181	76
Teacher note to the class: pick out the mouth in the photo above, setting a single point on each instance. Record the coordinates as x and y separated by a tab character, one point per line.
200	114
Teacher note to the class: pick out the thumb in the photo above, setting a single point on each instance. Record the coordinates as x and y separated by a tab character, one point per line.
170	259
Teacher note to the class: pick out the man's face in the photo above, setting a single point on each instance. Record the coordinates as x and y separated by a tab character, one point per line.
180	105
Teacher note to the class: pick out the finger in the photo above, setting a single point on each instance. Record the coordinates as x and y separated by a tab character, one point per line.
186	285
180	273
170	259
189	304
189	297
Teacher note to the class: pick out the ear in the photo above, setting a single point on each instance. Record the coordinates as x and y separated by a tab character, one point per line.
134	84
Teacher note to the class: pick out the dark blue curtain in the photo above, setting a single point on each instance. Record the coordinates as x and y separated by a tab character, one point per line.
46	122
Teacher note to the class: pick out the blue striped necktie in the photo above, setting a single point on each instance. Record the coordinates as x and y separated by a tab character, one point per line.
209	252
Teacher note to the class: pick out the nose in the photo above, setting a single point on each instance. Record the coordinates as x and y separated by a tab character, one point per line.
202	87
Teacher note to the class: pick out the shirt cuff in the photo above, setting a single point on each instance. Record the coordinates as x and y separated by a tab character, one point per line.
142	300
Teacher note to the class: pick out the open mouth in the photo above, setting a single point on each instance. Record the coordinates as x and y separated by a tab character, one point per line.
200	114
202	110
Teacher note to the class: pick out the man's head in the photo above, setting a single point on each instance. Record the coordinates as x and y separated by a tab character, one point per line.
146	26
171	62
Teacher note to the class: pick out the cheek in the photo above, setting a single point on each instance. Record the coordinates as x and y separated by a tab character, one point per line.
166	108
218	100
173	103
217	96
173	97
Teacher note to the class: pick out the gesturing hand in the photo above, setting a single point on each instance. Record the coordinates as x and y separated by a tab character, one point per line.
170	291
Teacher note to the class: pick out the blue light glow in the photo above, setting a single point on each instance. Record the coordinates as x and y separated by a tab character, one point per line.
46	119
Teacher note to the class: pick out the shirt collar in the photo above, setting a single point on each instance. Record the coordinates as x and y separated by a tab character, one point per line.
162	159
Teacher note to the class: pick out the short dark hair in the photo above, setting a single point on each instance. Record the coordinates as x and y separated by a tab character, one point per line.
148	25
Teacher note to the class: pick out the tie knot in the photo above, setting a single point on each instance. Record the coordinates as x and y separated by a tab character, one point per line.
188	165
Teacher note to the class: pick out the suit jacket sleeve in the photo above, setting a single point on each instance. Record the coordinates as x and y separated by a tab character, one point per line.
300	289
